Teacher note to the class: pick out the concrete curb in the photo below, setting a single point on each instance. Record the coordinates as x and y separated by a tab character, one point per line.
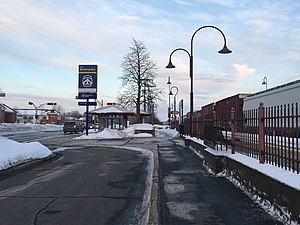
26	165
153	217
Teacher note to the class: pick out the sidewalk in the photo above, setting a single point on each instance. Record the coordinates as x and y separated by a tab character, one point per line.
190	195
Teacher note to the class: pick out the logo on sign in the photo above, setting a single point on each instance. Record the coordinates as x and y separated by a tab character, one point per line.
87	81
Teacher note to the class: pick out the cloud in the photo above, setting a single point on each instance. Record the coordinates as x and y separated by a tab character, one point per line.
243	70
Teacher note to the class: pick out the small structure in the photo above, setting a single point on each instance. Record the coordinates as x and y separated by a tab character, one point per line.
114	117
7	114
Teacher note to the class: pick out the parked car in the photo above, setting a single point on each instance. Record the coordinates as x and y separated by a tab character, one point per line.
73	127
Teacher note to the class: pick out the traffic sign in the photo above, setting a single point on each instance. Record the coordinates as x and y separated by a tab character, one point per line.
87	103
87	78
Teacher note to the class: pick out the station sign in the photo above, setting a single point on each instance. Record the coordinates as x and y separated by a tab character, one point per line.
87	95
87	103
87	82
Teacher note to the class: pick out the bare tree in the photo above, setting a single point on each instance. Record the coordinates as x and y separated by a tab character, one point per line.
138	79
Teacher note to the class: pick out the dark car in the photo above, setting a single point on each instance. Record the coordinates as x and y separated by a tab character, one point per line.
73	127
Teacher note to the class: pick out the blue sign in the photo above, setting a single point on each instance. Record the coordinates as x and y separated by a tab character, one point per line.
87	78
87	95
87	103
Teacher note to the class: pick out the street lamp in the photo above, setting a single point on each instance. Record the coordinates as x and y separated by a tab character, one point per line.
265	82
224	50
36	108
169	108
174	111
39	107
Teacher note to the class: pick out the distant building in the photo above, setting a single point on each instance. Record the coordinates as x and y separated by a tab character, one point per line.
7	114
283	94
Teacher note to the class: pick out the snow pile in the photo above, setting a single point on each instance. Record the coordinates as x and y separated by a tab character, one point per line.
107	133
7	128
143	126
169	132
13	153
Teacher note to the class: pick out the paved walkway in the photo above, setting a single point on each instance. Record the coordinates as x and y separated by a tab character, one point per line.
190	195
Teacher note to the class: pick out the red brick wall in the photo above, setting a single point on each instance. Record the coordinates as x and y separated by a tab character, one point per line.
1	115
10	117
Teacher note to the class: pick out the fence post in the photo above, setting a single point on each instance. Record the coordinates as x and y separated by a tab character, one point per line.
232	131
261	112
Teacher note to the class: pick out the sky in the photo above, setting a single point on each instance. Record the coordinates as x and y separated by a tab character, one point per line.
43	42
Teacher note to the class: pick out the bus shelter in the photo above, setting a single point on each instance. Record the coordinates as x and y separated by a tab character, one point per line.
114	117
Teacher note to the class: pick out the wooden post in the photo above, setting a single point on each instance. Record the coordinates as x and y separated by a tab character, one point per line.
232	131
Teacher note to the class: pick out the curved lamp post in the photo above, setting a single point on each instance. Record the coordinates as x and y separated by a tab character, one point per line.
265	82
36	109
174	110
224	50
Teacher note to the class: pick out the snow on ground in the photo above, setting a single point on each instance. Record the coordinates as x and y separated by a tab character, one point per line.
13	153
284	176
108	133
8	128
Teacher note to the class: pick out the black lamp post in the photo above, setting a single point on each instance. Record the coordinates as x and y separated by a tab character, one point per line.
224	50
169	108
174	110
265	82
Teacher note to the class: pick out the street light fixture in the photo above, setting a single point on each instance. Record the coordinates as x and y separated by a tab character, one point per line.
224	50
39	107
36	109
174	111
169	108
265	82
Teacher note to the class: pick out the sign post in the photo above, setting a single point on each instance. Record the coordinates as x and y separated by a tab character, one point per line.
87	88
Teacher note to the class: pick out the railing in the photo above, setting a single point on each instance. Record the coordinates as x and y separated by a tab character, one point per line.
269	134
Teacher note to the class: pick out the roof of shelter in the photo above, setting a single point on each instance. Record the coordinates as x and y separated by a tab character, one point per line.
6	108
112	110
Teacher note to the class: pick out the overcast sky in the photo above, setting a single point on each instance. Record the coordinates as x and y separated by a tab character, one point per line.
42	42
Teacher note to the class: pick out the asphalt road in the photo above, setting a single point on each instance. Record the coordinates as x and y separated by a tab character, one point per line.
86	185
95	183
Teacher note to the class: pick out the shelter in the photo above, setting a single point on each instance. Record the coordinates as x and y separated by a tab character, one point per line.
114	117
7	114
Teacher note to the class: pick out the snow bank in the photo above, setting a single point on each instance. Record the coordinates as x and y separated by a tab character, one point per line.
107	133
7	128
143	126
13	153
169	132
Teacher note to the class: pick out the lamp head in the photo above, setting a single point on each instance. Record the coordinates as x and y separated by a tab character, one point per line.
30	103
171	93
169	81
264	81
225	50
170	65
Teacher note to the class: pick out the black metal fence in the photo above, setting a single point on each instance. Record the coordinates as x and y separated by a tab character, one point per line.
269	134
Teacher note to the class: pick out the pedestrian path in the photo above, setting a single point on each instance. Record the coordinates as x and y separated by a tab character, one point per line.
191	195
